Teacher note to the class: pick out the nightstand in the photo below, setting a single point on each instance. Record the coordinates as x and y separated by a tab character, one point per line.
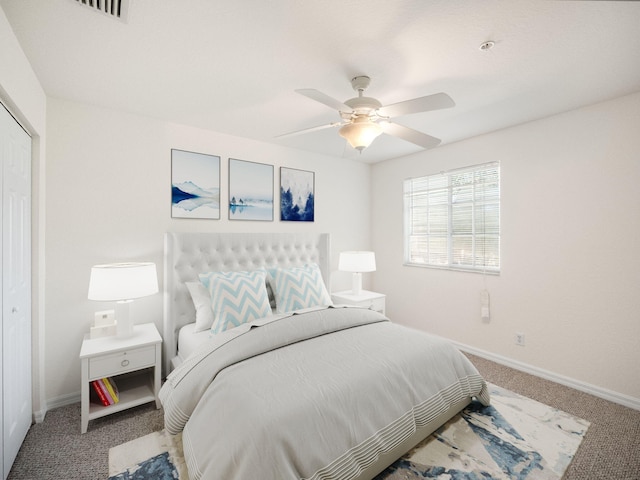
134	362
374	301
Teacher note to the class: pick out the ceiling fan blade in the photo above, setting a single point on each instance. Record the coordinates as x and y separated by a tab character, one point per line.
436	101
308	130
325	99
405	133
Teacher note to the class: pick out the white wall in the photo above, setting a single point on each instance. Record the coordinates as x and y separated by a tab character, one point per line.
108	200
570	261
21	93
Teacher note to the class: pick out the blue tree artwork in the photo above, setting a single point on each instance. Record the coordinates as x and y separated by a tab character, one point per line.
195	185
297	201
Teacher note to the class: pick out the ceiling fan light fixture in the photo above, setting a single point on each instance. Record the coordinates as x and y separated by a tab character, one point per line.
364	118
360	133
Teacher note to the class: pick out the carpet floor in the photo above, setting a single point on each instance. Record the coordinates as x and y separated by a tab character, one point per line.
55	449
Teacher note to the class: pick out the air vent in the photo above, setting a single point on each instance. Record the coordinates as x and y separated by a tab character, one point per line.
114	8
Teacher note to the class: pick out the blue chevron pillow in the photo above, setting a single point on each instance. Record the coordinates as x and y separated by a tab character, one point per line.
300	287
236	298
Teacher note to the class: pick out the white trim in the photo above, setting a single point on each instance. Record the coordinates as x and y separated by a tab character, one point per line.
38	417
63	401
15	117
610	395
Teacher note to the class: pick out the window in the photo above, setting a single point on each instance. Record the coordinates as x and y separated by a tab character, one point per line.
452	219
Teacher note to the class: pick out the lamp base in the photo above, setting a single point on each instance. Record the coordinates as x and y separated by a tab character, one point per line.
124	326
356	284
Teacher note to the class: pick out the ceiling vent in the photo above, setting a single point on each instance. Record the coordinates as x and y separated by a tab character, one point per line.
114	8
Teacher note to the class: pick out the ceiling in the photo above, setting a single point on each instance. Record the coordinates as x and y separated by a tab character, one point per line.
232	65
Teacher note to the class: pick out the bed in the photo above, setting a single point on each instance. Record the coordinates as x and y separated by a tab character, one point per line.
316	392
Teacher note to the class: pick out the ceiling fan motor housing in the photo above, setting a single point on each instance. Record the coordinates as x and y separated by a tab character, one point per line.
363	105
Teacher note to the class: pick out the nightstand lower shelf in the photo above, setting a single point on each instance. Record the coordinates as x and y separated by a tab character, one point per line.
134	389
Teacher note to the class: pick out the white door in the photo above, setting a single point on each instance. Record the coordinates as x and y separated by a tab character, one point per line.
15	147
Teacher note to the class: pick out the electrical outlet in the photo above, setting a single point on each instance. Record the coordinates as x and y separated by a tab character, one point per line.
519	337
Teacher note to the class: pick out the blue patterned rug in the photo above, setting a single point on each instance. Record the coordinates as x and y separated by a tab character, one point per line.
516	438
157	456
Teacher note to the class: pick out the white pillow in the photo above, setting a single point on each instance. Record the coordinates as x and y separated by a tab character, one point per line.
300	287
236	298
202	302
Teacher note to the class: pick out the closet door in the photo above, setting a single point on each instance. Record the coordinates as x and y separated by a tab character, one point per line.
16	286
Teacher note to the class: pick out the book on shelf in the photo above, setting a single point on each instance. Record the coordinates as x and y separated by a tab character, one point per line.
105	391
110	384
100	393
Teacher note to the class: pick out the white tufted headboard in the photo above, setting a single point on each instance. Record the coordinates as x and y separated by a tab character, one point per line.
188	254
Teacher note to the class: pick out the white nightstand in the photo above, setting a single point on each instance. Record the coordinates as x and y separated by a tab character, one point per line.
134	362
374	301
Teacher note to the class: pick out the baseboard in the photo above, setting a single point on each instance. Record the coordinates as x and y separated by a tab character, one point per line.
38	417
619	398
61	401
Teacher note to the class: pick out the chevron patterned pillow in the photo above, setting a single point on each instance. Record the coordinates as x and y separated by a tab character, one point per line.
236	298
300	287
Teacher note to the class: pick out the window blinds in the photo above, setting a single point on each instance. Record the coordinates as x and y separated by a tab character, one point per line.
452	219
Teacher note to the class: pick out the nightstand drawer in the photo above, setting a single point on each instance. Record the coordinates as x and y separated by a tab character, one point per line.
121	362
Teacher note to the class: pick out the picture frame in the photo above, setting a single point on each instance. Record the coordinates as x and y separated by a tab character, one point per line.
195	185
250	190
297	195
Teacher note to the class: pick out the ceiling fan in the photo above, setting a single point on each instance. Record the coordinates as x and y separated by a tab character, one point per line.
364	118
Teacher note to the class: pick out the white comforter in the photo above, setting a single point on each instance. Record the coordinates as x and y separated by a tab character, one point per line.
315	395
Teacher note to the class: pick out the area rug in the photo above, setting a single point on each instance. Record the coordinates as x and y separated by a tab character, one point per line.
516	438
157	456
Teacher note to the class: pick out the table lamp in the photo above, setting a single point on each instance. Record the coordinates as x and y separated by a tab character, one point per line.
122	283
358	263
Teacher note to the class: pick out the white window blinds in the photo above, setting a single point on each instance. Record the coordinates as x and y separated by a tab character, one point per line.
452	219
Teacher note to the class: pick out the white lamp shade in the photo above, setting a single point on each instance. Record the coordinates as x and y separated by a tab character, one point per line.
357	262
122	281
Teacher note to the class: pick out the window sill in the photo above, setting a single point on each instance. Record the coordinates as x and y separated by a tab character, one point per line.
487	271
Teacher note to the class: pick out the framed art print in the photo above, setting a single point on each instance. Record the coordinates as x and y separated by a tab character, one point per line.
250	190
195	185
297	200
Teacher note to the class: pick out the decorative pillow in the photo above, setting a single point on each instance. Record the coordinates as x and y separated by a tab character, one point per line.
236	298
202	302
300	287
